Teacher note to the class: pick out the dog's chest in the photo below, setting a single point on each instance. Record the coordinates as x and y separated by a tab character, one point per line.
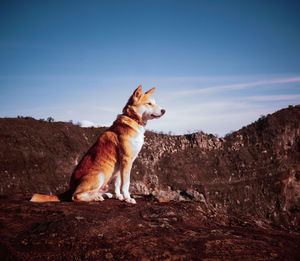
137	142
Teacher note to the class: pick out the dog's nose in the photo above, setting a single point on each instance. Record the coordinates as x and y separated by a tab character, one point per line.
163	111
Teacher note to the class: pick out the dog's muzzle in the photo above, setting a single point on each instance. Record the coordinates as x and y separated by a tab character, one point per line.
162	112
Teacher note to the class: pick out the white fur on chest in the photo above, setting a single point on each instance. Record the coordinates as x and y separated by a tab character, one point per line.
137	141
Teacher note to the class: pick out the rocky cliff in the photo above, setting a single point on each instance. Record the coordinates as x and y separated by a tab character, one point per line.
254	171
252	174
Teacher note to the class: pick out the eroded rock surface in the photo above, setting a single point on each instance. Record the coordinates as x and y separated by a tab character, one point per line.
254	171
252	176
114	230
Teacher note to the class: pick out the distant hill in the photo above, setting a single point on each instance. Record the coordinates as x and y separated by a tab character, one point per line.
252	172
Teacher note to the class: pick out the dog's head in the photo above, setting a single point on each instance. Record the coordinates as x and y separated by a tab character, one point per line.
143	106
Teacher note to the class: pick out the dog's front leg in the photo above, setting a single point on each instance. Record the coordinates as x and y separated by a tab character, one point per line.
118	181
125	177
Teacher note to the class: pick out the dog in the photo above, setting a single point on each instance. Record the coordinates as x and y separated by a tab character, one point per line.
112	155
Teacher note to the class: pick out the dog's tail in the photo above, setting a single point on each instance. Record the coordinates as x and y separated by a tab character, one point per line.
50	198
44	198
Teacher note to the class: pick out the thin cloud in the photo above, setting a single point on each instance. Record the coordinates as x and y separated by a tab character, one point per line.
86	124
263	98
237	86
211	117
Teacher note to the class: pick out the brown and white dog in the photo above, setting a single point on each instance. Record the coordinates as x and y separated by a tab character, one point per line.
112	155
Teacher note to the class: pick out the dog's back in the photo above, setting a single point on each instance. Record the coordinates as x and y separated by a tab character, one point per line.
112	154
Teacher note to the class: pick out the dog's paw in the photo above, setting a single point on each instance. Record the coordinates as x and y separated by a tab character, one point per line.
108	195
130	200
99	198
119	197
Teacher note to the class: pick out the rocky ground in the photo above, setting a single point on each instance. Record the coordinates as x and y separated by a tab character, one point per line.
149	230
199	196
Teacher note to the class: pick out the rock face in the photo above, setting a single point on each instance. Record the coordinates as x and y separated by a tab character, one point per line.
252	174
114	230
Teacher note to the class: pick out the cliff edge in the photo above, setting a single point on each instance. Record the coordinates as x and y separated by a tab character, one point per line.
199	196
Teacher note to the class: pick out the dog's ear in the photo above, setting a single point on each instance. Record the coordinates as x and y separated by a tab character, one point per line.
137	93
150	92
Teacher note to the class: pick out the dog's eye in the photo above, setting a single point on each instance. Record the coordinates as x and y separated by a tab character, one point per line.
149	103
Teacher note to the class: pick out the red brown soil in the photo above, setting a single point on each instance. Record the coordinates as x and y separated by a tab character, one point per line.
199	197
114	230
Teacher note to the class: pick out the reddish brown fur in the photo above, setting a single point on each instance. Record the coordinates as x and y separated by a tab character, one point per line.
103	156
111	151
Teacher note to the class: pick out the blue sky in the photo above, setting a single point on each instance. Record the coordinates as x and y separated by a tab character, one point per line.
217	65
